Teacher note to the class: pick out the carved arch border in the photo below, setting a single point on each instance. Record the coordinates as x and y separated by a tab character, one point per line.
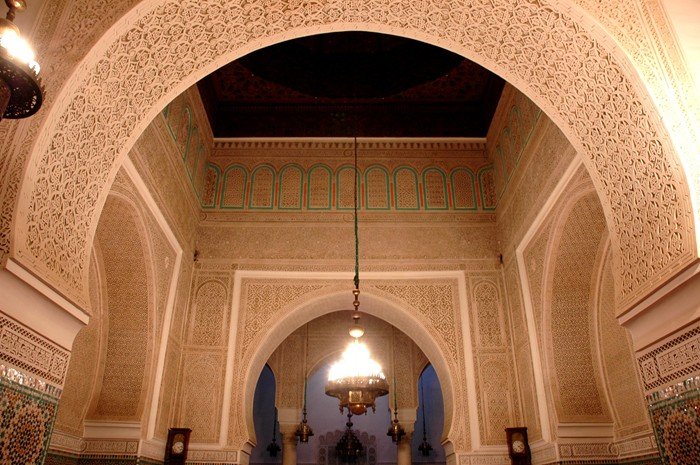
572	69
458	392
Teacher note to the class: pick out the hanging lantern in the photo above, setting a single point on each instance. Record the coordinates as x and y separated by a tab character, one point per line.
349	447
425	446
273	448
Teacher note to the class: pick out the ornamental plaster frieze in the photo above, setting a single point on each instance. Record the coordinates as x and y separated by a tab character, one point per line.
334	243
344	147
474	267
643	29
670	361
31	359
150	45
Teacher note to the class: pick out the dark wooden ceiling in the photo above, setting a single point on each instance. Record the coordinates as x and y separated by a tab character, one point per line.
351	84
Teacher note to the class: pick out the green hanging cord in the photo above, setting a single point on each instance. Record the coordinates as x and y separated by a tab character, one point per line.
357	240
396	407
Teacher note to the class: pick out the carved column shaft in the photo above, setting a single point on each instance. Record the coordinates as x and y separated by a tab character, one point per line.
289	444
403	450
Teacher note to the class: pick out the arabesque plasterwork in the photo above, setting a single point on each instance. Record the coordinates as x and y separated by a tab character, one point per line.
596	92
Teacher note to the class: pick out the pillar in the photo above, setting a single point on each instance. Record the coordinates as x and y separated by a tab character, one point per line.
407	419
289	443
665	330
403	450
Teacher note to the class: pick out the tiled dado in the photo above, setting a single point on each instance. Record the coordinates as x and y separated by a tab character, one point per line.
670	372
675	416
32	371
27	416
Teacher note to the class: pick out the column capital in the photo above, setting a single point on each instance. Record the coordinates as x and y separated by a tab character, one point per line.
288	432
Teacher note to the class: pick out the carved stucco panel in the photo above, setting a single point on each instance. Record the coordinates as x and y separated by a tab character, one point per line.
437	307
642	28
497	398
262	301
568	314
152	56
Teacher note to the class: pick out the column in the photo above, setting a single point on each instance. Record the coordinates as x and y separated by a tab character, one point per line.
665	330
403	450
407	418
289	443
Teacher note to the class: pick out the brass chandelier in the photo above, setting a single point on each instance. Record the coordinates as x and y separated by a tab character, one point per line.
356	380
21	91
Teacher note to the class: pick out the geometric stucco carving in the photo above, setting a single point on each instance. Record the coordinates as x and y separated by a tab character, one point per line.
159	49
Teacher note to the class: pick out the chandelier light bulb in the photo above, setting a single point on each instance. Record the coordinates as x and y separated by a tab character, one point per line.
18	48
356	331
21	91
355	362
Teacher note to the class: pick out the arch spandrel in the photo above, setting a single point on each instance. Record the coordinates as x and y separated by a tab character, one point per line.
333	301
538	47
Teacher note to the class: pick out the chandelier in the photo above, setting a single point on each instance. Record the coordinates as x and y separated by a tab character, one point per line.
21	92
356	380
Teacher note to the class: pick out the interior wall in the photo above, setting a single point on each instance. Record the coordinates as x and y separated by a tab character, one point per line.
568	315
239	278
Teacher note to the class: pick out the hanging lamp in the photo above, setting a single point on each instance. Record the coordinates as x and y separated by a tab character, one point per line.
304	431
21	91
425	446
396	431
273	448
349	447
356	380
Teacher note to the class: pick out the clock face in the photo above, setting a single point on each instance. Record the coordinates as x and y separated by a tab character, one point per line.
518	446
178	447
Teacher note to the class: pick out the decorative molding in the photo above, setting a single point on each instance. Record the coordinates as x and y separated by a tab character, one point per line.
111	446
457	144
211	456
25	349
636	446
66	443
582	450
671	360
111	429
484	459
